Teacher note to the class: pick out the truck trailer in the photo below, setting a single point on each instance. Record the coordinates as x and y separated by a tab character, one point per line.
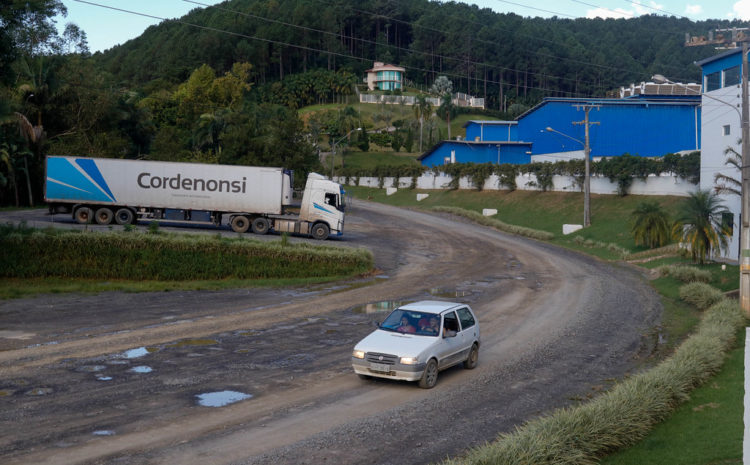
106	190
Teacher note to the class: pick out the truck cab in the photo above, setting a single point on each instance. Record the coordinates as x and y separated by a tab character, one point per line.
323	206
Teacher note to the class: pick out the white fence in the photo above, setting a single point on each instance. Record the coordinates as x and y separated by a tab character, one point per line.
461	100
653	185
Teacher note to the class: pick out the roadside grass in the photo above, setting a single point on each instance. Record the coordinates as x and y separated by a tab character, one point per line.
372	159
706	430
53	260
12	288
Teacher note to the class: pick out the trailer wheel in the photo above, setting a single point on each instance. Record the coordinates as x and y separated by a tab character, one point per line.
261	226
124	216
103	216
82	215
320	231
240	224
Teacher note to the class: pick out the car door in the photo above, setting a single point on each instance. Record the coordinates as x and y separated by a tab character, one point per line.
451	347
469	330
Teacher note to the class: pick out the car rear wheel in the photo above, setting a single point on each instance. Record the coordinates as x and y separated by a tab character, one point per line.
471	361
430	375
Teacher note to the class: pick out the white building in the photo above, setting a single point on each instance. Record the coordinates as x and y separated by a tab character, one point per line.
721	129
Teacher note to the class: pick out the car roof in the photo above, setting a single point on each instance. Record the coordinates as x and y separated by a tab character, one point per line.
432	306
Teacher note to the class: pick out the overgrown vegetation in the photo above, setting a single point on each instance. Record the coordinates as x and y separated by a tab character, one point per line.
32	253
617	169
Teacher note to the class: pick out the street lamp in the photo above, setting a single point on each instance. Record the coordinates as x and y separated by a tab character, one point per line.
745	170
333	147
586	179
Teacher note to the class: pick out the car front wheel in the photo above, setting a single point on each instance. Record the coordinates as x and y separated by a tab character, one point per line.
430	375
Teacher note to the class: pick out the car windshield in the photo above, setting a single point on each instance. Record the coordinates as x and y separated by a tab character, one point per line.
412	322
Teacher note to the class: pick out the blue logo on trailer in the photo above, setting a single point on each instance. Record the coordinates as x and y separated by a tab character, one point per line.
81	181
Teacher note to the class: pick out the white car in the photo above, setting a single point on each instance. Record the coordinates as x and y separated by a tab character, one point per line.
418	340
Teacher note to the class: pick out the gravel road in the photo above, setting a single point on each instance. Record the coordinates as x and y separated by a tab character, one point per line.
117	377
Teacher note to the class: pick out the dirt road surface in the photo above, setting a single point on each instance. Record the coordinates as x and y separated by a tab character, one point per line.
116	378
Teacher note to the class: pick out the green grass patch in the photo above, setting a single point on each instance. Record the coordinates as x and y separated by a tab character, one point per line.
31	253
371	160
705	430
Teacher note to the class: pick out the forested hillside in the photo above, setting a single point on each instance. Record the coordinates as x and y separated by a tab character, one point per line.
484	53
224	84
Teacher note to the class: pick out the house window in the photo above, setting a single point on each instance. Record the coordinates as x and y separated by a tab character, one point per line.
726	130
727	222
732	76
713	81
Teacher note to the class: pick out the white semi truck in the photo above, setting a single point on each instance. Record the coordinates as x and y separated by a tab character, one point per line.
105	190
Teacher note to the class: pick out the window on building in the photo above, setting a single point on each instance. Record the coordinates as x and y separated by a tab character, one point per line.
732	76
727	222
726	130
713	81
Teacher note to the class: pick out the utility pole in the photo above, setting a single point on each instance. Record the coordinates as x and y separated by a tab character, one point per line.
587	161
745	210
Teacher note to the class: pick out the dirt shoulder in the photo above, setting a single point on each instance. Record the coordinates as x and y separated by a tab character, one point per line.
556	326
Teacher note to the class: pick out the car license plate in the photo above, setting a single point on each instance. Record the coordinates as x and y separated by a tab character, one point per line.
381	367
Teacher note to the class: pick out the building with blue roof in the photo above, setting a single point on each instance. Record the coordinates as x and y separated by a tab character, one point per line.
646	125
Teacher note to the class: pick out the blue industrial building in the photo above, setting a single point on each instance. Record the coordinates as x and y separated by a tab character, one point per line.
641	125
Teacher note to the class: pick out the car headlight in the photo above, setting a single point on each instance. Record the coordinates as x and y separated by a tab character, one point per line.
409	360
358	354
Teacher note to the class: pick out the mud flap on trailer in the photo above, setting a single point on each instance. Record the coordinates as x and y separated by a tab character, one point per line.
291	226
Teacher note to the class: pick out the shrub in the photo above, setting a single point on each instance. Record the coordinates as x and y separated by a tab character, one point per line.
686	274
700	294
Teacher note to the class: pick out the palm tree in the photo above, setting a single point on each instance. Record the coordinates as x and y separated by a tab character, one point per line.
699	224
651	225
727	184
422	111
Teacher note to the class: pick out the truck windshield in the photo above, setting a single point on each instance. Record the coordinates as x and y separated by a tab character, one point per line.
411	322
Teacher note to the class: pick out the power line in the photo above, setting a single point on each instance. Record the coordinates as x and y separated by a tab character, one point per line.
302	47
396	47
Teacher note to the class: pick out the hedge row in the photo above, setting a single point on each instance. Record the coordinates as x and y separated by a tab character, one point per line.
624	415
686	274
497	224
135	256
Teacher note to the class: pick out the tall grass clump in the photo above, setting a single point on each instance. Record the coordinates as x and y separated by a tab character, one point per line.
167	257
701	295
624	415
497	224
686	274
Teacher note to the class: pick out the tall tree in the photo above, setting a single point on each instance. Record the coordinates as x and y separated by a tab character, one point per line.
422	111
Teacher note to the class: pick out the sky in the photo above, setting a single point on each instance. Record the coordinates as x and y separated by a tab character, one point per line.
106	28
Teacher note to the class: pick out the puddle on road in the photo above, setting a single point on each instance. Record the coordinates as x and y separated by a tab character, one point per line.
139	352
221	398
378	307
449	293
142	369
103	432
104	378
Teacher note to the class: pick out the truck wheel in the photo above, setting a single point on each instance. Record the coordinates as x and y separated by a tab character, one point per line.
103	216
471	361
320	231
240	224
261	226
124	216
430	375
83	215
